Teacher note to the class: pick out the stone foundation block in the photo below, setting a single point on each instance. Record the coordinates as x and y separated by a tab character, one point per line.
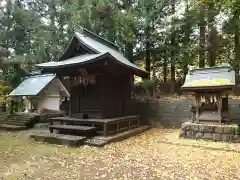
236	137
185	125
219	129
216	137
208	136
206	129
237	130
228	130
189	134
198	135
228	133
194	128
227	137
182	133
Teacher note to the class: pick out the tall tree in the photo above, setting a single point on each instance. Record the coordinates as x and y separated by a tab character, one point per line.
202	26
212	36
186	39
148	40
173	43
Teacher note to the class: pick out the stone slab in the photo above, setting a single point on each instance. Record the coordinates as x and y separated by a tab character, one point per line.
9	127
59	139
216	137
208	136
228	130
41	125
219	129
100	141
227	137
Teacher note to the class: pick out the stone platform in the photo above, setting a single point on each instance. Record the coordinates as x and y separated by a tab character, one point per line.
100	141
76	141
60	139
215	132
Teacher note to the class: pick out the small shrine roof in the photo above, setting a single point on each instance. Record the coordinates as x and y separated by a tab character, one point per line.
221	77
33	85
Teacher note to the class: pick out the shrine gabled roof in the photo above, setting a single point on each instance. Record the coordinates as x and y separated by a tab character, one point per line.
33	85
98	46
209	78
71	61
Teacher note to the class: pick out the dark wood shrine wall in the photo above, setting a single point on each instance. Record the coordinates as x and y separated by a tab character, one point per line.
109	96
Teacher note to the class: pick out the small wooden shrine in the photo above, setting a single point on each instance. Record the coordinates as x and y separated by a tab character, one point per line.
41	92
211	87
96	74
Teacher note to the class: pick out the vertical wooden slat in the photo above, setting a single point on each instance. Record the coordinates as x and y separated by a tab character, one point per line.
197	107
129	123
117	127
105	129
70	99
220	108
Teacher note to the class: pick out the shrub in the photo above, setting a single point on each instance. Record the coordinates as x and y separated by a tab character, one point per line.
148	86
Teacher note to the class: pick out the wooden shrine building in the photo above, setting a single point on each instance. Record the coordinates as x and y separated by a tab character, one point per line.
211	87
97	76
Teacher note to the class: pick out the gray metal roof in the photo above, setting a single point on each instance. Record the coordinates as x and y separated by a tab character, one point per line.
97	45
213	77
32	85
102	48
71	61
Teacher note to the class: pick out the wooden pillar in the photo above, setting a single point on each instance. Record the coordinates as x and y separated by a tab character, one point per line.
105	129
197	107
220	107
70	99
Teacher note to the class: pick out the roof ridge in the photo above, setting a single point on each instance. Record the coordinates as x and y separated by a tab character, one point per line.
98	38
40	75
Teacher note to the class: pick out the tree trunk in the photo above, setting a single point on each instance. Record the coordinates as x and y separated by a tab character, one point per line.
148	48
212	37
237	42
165	67
129	48
173	44
186	41
202	38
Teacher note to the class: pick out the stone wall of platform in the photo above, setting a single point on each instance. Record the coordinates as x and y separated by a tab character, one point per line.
228	133
173	113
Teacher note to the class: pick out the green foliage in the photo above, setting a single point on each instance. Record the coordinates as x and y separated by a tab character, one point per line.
34	31
148	85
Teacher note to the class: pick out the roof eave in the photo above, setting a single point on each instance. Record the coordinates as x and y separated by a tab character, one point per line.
137	71
74	64
199	88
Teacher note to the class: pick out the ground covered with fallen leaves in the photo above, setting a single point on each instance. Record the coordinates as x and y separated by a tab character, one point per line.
145	156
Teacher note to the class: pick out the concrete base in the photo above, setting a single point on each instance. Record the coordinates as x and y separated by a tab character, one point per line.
215	132
100	141
7	127
41	125
59	139
75	141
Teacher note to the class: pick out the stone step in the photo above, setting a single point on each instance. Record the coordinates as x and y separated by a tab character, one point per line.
15	123
74	129
96	142
60	139
19	118
100	141
9	127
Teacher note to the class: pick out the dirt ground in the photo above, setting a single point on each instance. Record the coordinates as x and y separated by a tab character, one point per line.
146	156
